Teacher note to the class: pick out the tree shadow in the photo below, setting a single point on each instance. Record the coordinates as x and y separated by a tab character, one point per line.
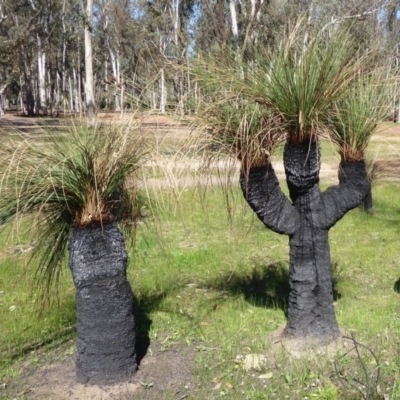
336	277
141	309
396	286
266	285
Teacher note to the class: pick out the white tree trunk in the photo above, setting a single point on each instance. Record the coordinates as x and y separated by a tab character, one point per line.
153	100
396	105
163	91
176	21
58	93
20	97
42	78
89	87
235	31
64	55
76	90
116	73
71	95
3	99
106	81
122	96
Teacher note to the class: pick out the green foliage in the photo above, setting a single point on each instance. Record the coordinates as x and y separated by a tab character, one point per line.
255	100
355	117
64	180
309	71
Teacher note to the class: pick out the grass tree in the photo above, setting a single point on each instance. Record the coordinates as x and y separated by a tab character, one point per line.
356	117
70	191
300	90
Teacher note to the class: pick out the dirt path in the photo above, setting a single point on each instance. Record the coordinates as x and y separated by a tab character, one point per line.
189	172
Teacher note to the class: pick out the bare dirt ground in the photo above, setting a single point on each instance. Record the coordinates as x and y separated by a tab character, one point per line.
160	373
163	373
165	129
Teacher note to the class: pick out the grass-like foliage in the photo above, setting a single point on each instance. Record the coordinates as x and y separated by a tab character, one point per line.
286	88
236	122
244	129
307	77
60	181
355	117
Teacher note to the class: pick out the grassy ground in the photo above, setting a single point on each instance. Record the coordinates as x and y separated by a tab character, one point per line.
211	281
208	276
225	283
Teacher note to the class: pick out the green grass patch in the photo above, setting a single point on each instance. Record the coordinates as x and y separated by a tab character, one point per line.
207	275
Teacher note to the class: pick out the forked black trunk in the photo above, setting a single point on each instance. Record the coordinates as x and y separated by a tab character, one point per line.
306	220
104	302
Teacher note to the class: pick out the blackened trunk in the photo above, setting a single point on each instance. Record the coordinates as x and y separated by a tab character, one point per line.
306	221
367	201
104	301
310	308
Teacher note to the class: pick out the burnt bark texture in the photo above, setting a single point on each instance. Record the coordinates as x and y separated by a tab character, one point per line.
306	220
104	301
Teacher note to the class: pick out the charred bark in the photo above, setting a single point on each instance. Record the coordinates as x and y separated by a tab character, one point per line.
261	190
352	189
306	221
104	302
310	306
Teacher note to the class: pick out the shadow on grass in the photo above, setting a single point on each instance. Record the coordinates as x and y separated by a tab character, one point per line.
266	286
396	286
141	309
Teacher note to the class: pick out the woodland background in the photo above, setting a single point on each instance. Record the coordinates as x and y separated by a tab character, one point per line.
60	56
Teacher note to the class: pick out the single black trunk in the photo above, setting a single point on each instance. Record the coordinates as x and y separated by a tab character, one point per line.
310	307
104	302
306	221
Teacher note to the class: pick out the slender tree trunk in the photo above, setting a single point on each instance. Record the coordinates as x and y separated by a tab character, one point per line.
153	100
30	99
63	67
116	73
396	108
106	85
163	91
42	106
3	99
234	26
306	221
122	83
20	96
104	301
71	97
89	87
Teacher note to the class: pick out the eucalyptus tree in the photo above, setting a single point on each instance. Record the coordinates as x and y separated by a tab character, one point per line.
70	190
306	87
89	85
18	33
31	36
